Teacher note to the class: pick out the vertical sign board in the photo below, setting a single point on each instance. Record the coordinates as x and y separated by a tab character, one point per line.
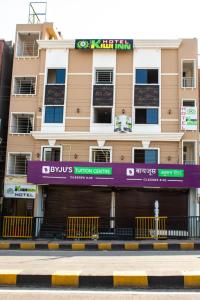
113	44
188	118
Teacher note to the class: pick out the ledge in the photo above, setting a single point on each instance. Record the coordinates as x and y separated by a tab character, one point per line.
85	136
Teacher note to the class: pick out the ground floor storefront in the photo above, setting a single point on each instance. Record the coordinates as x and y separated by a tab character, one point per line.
107	201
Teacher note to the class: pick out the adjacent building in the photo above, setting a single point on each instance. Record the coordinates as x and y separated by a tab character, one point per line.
6	59
85	111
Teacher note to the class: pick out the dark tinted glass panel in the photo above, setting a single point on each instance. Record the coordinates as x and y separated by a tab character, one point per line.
139	156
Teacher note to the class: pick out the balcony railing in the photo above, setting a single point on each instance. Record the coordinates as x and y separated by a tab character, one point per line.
29	49
188	82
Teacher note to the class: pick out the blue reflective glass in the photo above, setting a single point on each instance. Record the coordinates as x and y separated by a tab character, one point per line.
58	115
141	76
53	114
60	76
151	156
49	114
152	116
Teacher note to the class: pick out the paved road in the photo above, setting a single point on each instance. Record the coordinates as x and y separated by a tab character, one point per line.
16	294
100	263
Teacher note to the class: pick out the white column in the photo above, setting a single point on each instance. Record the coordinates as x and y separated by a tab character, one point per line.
38	209
112	210
193	205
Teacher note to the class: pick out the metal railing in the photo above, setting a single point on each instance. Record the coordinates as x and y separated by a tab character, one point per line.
24	86
150	227
82	227
103	228
17	227
29	49
188	82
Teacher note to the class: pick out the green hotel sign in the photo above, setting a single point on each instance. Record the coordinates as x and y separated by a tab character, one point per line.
92	171
171	173
113	44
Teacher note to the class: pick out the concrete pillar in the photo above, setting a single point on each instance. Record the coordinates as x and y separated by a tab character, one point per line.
38	209
193	214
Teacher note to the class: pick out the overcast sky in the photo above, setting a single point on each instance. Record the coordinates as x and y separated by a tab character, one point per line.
110	18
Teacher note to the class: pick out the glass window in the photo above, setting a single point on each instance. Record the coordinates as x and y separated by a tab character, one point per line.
148	156
189	103
56	76
101	155
146	116
51	154
146	76
53	114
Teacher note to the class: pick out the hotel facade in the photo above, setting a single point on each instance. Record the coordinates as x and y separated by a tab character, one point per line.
102	127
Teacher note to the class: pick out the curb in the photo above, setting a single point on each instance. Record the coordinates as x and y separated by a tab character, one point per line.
120	279
79	246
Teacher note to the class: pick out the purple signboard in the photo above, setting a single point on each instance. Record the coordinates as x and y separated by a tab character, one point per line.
113	174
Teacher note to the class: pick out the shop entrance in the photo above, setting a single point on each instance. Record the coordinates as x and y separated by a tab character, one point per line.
17	207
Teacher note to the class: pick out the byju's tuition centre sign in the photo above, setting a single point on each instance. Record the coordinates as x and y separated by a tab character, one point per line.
114	44
114	174
188	118
19	191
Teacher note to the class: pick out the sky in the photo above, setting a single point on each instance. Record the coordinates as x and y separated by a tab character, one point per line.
135	19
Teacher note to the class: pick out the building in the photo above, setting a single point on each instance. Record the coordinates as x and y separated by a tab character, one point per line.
6	58
125	106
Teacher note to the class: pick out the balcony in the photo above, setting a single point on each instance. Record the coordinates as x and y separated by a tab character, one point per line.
189	162
27	44
188	74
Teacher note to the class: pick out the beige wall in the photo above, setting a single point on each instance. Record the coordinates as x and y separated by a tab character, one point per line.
79	95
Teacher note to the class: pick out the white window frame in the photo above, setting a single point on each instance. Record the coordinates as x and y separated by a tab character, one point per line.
102	124
8	162
103	148
20	113
149	68
24	95
141	148
47	146
17	38
104	69
195	148
195	73
49	68
146	107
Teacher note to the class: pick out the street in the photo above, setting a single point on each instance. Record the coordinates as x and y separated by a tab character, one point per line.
32	294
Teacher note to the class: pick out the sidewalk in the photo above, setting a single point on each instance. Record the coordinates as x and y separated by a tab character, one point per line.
100	245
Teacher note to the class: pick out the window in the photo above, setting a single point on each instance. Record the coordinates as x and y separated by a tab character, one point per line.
188	73
149	156
146	116
53	114
101	155
102	115
104	76
56	76
18	163
24	85
22	123
27	44
146	76
190	103
51	154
